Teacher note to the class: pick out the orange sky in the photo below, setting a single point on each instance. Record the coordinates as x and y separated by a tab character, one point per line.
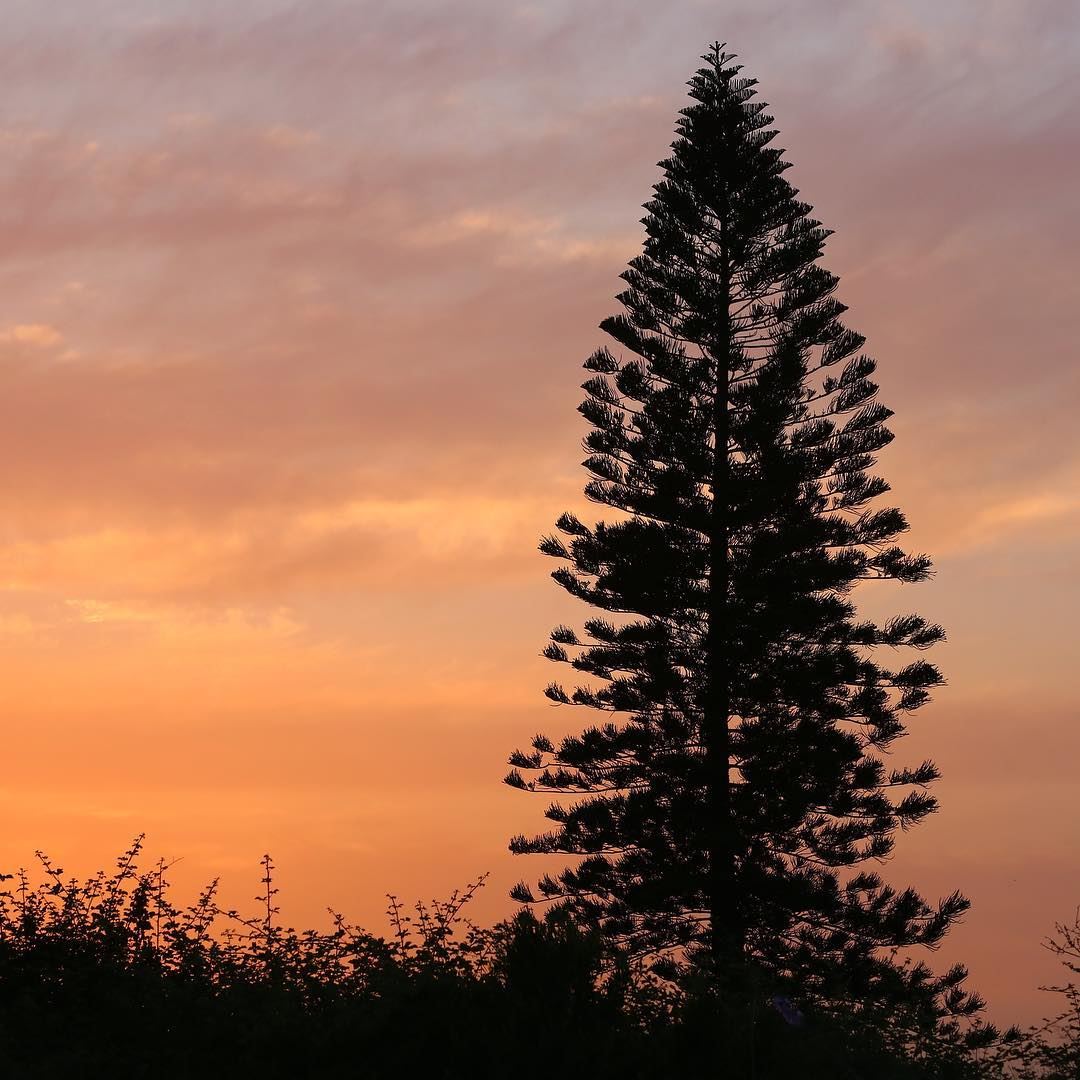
294	300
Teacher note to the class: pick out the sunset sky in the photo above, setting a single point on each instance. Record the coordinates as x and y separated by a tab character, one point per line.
293	302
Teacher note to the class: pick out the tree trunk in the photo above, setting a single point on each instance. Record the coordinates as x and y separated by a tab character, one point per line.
727	932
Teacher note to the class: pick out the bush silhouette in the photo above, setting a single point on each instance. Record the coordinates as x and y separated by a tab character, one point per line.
111	977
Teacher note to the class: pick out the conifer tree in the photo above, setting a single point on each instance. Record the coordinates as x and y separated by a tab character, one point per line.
734	789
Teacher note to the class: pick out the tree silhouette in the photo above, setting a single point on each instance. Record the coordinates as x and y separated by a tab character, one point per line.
1051	1051
726	803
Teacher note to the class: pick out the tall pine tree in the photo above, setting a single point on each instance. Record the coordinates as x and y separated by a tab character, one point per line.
728	799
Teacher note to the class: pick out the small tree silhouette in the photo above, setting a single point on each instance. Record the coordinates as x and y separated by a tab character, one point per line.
1051	1051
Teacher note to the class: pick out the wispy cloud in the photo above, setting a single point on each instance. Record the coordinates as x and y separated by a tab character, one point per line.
39	335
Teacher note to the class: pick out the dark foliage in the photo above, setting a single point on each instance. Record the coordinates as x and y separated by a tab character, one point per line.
110	978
